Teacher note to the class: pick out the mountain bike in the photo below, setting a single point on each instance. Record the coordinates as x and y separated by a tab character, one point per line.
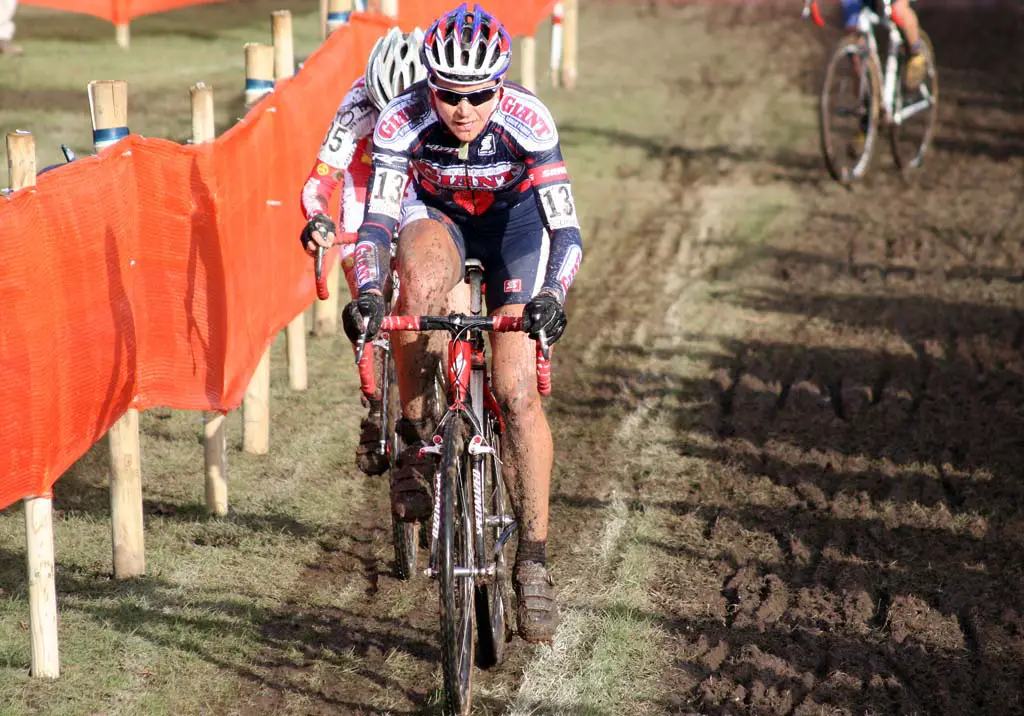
471	522
858	97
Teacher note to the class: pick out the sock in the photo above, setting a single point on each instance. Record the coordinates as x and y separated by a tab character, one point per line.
530	551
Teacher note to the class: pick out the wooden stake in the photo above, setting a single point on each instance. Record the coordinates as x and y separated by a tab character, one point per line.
284	52
215	452
557	17
338	12
259	80
259	72
126	497
570	49
108	100
255	410
528	67
284	66
42	587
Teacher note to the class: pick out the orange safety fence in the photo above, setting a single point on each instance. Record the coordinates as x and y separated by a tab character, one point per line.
157	274
520	18
119	12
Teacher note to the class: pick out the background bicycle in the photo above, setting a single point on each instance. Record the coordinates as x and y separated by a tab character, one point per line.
860	95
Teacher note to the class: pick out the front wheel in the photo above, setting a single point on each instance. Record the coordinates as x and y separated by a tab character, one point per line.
849	111
916	111
455	569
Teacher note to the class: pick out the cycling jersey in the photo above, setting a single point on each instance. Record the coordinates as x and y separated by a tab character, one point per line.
510	179
344	157
343	153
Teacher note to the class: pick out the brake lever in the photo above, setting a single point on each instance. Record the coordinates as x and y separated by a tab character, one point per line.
545	349
361	343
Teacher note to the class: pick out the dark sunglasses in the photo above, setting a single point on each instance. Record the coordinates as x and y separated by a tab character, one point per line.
451	97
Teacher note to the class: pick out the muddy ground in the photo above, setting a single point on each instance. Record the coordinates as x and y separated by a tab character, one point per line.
819	394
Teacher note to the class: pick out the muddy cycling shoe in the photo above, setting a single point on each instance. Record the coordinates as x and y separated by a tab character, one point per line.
411	482
370	459
537	608
917	66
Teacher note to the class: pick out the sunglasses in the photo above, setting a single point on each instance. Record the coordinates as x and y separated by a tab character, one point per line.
451	97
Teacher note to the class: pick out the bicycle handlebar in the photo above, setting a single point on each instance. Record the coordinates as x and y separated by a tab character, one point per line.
811	8
454	323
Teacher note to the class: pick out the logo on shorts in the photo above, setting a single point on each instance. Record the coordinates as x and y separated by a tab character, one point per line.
487	145
322	169
513	285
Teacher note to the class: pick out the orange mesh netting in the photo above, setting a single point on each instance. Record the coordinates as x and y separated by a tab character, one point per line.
158	273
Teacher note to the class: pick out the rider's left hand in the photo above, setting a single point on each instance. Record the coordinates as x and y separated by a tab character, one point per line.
544	312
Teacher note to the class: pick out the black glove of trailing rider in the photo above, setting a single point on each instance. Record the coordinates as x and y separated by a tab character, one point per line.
544	313
368	306
322	224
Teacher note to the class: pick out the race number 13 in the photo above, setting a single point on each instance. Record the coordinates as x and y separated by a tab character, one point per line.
386	193
558	206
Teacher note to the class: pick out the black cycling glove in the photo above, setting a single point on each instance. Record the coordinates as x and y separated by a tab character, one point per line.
544	312
368	308
320	223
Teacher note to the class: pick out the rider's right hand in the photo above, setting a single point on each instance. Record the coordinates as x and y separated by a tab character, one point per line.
319	231
368	309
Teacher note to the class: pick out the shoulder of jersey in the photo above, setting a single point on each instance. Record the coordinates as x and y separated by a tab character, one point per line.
404	118
526	118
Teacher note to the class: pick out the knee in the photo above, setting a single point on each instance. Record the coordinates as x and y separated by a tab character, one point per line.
426	264
516	392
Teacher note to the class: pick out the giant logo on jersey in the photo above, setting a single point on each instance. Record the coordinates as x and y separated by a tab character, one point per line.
390	125
489	177
527	117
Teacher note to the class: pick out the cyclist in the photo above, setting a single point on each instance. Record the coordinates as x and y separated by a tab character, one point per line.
490	184
393	65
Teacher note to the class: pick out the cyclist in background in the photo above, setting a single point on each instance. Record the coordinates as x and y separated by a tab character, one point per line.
491	185
344	158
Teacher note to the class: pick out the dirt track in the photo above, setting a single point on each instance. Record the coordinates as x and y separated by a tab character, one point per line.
818	397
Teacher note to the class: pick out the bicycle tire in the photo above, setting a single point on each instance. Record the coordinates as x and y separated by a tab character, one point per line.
405	535
492	599
456	550
903	160
828	136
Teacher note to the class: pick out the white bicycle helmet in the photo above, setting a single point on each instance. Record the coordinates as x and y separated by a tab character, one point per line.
394	65
467	47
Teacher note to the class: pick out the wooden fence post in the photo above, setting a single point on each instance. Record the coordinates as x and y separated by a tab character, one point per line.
42	587
259	80
284	66
570	47
215	448
557	15
338	12
528	60
108	100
